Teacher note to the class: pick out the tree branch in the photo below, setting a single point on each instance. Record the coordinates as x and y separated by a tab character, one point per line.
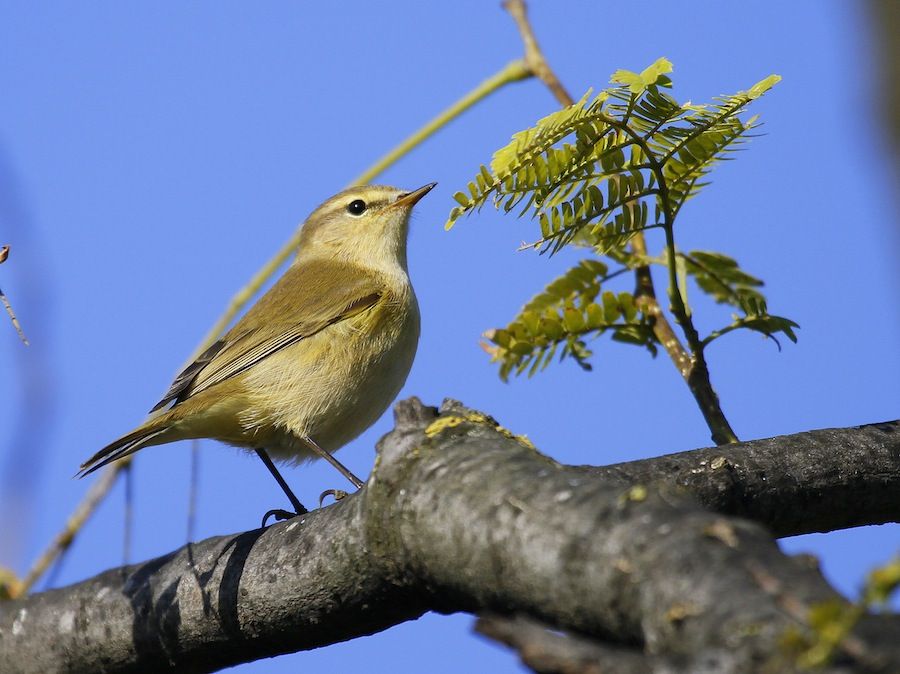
810	482
645	298
4	254
548	652
534	57
461	515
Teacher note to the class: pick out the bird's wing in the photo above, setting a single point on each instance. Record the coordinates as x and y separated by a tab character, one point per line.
307	299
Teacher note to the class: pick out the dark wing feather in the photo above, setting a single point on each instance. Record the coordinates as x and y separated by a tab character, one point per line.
183	381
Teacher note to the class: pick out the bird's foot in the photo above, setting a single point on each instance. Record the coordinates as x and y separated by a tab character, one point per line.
338	494
281	515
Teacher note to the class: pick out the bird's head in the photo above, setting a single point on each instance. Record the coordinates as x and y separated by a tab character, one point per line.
366	224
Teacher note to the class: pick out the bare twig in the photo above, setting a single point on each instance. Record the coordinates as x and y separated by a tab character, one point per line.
512	72
534	57
4	253
64	538
547	651
645	297
192	491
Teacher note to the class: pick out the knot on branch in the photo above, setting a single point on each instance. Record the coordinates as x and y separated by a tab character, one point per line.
419	427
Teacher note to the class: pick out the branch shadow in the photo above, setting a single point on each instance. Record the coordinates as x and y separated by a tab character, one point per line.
153	592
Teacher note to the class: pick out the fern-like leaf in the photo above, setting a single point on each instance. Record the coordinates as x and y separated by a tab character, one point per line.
595	174
559	320
591	171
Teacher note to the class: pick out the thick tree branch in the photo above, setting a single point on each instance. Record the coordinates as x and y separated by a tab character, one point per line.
461	515
810	482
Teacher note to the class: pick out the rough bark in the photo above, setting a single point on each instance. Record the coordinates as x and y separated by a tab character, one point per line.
461	515
811	482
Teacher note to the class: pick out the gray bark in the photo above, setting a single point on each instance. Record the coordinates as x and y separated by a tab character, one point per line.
811	482
460	515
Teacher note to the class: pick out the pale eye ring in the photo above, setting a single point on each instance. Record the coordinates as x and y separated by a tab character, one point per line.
356	207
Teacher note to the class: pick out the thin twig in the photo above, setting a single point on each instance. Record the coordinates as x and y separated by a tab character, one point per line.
645	298
512	72
4	253
128	519
534	57
192	491
64	539
698	380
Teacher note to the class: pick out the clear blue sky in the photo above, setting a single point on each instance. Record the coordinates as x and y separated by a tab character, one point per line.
153	156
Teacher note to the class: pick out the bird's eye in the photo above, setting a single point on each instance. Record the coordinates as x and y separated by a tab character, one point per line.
356	207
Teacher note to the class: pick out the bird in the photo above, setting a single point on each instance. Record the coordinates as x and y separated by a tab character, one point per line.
317	359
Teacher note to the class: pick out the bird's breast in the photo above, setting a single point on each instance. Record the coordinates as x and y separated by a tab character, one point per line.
335	384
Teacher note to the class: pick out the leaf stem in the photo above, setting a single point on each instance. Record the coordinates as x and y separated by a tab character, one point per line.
698	379
645	297
513	72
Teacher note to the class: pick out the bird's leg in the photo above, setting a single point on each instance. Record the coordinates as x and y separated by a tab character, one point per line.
279	514
342	469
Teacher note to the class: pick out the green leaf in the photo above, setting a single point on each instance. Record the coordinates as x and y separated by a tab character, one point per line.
882	582
632	80
570	309
462	199
763	86
766	324
651	75
719	276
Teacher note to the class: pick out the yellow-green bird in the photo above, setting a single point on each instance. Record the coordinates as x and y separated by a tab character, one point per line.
318	358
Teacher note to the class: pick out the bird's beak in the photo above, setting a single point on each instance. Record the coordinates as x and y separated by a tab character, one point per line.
410	199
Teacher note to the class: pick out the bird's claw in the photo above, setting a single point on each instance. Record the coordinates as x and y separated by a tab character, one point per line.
338	494
280	515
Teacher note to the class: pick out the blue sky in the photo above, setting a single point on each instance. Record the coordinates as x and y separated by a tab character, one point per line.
154	155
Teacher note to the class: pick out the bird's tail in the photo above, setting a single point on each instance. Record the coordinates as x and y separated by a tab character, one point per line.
124	446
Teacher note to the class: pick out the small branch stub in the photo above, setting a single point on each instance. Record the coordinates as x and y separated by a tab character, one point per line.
4	254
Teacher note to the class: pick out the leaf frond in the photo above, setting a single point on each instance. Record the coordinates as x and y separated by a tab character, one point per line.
559	321
595	174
